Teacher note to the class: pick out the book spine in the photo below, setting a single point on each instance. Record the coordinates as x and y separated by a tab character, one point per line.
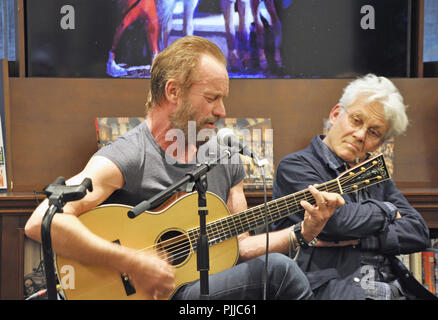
428	270
415	266
435	252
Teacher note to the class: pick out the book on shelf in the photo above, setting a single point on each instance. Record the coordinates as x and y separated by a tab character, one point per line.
428	270
415	264
436	270
255	132
434	248
3	180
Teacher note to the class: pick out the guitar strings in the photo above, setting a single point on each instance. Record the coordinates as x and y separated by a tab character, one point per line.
184	246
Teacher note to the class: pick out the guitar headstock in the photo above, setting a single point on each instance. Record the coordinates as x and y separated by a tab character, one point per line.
366	174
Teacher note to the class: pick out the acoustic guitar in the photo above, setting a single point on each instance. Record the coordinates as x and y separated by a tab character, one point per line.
172	230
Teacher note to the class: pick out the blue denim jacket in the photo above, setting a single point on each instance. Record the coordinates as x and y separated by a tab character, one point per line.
368	215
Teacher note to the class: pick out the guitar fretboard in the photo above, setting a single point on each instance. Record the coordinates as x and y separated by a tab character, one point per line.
371	172
255	217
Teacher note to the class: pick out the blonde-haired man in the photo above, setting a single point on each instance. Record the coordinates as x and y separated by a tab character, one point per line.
188	85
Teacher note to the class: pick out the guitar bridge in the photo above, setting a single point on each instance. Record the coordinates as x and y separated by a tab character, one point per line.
129	288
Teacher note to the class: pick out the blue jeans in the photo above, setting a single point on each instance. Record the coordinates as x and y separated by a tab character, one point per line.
245	281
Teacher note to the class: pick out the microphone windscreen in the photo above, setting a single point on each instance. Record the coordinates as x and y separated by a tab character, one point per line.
225	136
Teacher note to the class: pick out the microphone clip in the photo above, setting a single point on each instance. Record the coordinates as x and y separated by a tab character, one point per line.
260	162
59	193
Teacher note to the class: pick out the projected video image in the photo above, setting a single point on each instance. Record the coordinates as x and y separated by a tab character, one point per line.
260	38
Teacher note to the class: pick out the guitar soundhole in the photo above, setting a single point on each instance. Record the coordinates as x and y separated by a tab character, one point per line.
175	245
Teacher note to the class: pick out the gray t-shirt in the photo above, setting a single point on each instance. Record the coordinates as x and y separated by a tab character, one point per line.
146	170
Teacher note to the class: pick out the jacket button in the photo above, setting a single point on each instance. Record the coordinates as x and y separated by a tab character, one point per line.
356	279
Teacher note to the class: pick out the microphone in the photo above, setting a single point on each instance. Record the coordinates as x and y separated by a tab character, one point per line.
226	137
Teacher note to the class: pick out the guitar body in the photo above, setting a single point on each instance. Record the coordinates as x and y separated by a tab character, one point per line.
151	229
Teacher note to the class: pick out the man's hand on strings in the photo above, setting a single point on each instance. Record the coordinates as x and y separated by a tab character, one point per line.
317	215
152	275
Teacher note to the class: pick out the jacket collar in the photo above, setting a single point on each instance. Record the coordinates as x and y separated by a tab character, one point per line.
328	156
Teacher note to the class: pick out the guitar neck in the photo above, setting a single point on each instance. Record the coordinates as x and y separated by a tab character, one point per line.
255	217
369	173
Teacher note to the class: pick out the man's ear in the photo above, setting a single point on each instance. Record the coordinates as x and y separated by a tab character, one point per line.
334	114
172	91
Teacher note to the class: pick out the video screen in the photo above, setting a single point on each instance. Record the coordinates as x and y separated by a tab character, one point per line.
261	39
430	44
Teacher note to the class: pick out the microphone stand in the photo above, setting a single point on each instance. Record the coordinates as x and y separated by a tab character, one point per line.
199	177
202	250
59	194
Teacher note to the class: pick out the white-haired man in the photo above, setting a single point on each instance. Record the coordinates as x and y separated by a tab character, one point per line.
353	253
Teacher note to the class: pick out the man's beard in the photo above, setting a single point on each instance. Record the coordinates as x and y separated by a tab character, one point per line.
185	113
